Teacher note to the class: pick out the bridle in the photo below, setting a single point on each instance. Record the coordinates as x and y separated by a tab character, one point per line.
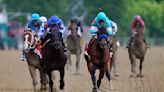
28	45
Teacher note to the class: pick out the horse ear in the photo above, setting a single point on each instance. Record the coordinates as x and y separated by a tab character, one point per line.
27	29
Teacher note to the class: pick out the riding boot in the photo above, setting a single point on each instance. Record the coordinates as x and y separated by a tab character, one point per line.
129	42
146	43
110	49
88	46
23	58
65	50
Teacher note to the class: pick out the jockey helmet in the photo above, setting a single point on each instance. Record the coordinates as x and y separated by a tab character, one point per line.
101	16
137	17
43	19
34	16
54	20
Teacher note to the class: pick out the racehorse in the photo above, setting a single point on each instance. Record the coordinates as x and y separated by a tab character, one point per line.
33	60
99	59
74	45
137	50
113	41
54	58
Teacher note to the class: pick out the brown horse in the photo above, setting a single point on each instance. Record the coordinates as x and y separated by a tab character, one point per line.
74	45
54	58
137	50
33	60
99	59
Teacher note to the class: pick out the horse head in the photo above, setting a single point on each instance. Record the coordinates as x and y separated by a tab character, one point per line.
102	37
29	40
139	36
103	41
56	38
74	27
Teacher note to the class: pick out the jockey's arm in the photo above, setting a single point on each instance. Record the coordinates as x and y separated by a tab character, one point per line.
109	27
109	30
93	30
114	27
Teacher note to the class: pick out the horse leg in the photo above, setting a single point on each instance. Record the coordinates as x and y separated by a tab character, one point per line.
43	78
101	75
133	64
140	67
69	62
92	71
32	70
77	61
93	80
50	80
107	68
62	83
114	64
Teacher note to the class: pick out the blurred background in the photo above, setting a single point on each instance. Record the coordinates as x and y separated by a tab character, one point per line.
14	15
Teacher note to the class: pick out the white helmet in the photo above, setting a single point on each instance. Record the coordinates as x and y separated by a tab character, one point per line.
43	19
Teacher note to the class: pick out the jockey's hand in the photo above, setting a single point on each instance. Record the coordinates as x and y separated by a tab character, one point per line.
135	32
95	36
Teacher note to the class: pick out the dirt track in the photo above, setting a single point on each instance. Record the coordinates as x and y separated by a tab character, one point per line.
15	77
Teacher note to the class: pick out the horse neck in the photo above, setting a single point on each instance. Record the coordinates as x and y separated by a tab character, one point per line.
139	37
101	51
74	31
55	35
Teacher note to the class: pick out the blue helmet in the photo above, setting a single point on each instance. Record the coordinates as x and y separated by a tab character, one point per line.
35	16
54	20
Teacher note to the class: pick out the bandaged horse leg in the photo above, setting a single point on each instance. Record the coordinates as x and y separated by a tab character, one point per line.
78	61
108	76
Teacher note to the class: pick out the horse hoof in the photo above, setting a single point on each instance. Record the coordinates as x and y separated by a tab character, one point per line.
111	85
61	87
139	76
43	88
116	74
94	90
131	76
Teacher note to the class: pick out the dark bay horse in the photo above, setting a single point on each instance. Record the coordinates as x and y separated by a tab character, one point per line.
54	58
99	59
137	50
74	45
33	60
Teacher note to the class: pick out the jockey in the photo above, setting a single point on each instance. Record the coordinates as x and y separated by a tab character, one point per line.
79	27
35	25
137	22
43	26
56	20
115	29
100	21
